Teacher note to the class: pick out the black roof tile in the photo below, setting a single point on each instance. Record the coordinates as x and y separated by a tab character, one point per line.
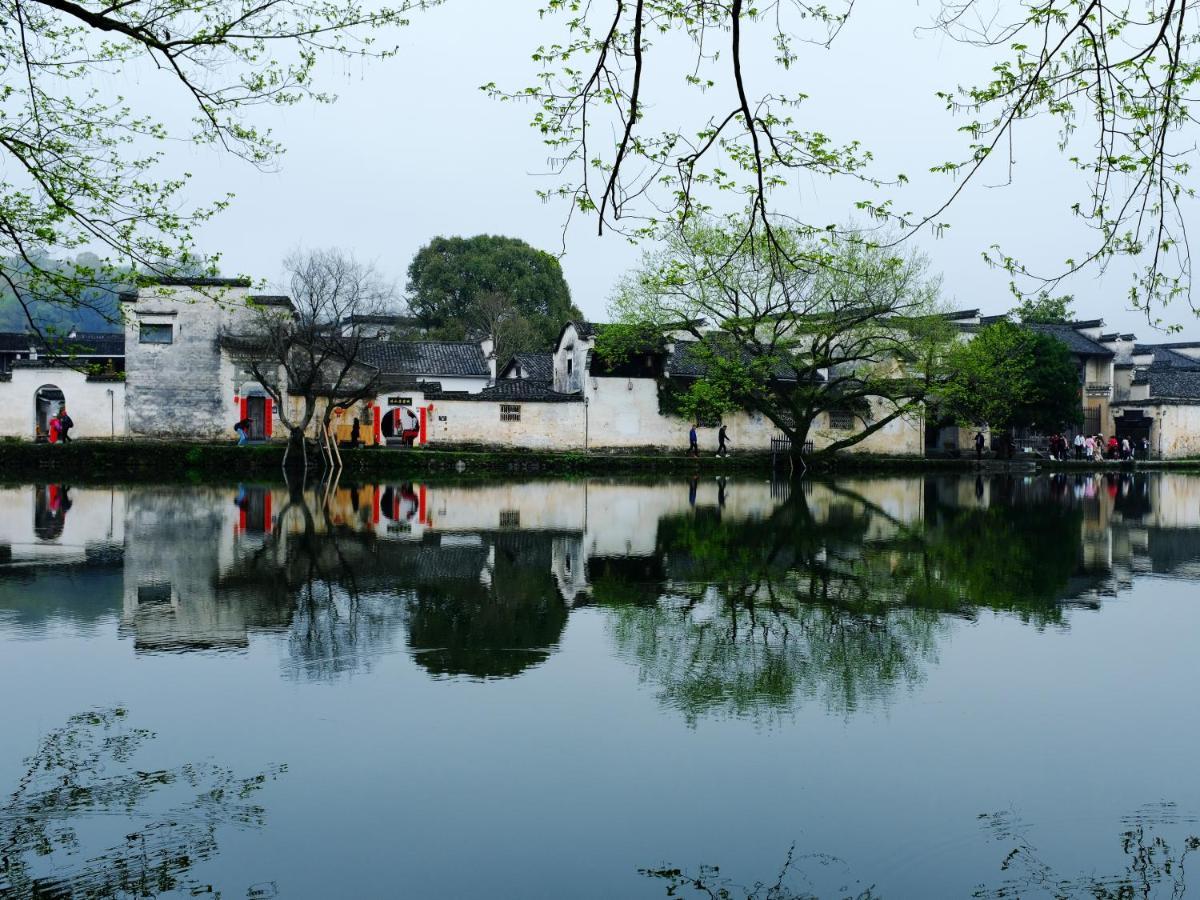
1076	342
448	358
533	366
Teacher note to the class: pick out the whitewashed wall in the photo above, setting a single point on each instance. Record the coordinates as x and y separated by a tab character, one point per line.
183	389
543	426
96	407
1176	431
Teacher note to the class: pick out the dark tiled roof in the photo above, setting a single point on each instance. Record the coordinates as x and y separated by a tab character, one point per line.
1165	357
95	343
1076	342
1171	383
453	358
588	329
271	300
533	366
199	282
991	320
688	361
515	391
401	383
961	314
1086	323
15	341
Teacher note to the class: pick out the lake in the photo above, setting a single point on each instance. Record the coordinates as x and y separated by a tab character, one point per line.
944	686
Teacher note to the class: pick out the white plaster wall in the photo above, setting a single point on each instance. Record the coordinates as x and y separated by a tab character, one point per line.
96	413
903	436
1178	430
564	382
543	426
183	389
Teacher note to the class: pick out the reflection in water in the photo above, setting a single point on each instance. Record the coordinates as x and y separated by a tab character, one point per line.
1155	842
87	786
811	876
729	597
1153	865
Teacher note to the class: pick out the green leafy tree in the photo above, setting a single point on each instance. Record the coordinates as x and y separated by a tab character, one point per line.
449	278
1045	310
1118	77
82	159
773	333
1009	376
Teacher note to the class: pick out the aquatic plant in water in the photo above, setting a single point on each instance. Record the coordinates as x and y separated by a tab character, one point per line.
81	790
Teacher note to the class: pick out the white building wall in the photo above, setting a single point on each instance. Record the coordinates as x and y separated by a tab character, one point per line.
96	407
542	426
185	388
1178	430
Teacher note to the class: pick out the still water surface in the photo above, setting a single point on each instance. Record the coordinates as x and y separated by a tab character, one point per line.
916	687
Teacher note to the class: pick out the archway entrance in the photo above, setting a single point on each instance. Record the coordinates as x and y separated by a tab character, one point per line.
400	425
47	401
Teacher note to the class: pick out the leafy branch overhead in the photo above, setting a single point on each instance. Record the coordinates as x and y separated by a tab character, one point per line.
84	166
1118	77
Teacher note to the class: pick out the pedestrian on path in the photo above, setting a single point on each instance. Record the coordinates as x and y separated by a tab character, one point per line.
722	437
693	442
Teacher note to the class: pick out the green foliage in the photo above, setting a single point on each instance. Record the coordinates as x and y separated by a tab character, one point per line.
790	325
1010	376
85	164
450	276
1130	71
1045	310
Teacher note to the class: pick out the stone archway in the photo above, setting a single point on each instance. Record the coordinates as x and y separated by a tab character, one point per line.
47	401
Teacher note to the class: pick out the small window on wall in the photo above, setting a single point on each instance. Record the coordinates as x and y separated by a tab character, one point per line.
570	365
156	333
510	412
841	420
510	518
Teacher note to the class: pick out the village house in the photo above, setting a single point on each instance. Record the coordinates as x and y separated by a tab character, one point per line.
170	375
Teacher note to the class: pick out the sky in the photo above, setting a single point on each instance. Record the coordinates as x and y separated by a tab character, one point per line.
413	149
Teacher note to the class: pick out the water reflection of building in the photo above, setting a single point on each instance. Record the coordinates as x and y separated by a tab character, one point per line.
479	579
61	553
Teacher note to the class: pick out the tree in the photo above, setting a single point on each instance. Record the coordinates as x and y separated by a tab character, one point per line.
1128	70
83	164
304	350
858	332
1011	376
1045	310
449	275
497	317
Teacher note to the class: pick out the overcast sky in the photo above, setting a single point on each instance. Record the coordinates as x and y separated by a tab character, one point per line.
413	149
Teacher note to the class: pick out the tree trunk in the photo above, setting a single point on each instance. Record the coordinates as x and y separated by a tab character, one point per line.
296	449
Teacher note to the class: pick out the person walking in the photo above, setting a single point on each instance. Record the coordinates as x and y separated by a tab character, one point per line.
1126	449
355	435
1145	447
242	429
65	424
53	428
693	442
722	437
979	442
1079	446
1089	448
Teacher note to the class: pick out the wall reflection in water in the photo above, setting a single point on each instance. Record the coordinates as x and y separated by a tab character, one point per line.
730	597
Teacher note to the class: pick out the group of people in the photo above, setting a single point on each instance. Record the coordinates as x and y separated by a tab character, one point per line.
1097	447
58	429
722	442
